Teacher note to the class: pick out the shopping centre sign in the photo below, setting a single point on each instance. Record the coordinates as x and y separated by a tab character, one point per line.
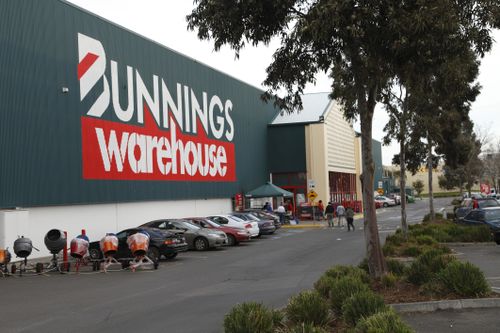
184	136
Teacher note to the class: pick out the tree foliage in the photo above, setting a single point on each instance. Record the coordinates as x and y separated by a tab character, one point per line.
360	44
418	185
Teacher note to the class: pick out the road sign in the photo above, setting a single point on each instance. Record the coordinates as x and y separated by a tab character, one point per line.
312	195
311	184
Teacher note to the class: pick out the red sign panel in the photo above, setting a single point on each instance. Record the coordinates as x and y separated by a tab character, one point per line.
119	151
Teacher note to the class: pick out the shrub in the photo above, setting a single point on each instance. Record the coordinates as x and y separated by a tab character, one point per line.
434	287
389	249
427	217
278	318
450	232
305	328
412	251
323	285
425	240
344	288
396	239
395	266
426	266
475	234
464	279
362	304
307	307
418	273
342	271
389	280
383	322
249	317
364	265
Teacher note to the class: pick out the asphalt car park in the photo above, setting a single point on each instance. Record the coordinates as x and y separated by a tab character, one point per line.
484	255
191	293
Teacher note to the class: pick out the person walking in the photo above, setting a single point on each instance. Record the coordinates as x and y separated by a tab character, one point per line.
321	210
329	213
281	213
349	214
340	214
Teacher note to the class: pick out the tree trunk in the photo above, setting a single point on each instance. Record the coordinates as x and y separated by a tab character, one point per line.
402	186
376	260
429	168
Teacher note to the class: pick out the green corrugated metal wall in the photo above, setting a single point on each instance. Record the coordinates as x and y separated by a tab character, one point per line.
287	148
40	129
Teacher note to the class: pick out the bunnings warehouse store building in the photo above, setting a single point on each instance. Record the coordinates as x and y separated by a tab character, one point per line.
102	129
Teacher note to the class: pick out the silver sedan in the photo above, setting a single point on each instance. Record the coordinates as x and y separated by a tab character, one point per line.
199	239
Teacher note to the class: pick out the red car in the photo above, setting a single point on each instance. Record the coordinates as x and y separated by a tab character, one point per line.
234	235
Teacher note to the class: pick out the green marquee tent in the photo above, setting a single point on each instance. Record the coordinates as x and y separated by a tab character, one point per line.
268	190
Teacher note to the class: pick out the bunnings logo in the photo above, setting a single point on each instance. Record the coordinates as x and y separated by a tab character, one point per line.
160	134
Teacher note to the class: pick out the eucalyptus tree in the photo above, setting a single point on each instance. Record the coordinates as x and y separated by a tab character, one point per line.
357	42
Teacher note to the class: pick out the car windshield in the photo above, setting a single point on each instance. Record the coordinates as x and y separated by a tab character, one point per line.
212	223
487	203
235	219
252	217
491	215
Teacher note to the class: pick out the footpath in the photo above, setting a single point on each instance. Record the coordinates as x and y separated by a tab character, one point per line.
464	315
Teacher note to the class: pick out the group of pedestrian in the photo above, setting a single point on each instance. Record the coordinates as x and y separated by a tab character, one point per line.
343	214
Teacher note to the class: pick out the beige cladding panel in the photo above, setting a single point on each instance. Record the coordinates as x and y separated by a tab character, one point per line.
316	159
340	142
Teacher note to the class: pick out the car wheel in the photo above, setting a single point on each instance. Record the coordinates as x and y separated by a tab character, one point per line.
171	255
95	254
200	244
385	205
154	254
496	237
231	240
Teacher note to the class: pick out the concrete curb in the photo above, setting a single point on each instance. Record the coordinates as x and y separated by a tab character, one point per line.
456	304
463	244
303	226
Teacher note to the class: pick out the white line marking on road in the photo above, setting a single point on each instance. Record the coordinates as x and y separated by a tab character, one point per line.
339	238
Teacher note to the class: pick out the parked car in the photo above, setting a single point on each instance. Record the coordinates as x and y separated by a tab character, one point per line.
233	221
469	204
395	197
489	216
198	238
266	225
385	201
266	215
234	235
161	243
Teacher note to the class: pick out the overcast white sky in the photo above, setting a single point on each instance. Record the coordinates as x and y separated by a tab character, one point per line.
164	22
